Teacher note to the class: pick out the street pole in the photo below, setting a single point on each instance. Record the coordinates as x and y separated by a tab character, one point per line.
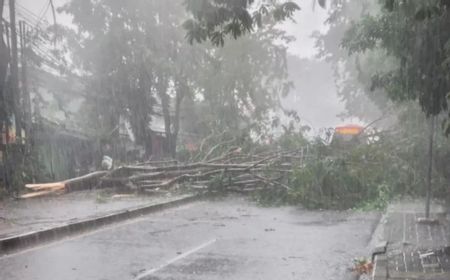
15	156
27	118
15	68
430	167
24	67
4	58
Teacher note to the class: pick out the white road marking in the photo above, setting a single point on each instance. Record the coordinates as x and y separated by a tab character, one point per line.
177	258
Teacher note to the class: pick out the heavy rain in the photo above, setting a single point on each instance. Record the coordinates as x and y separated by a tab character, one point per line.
224	139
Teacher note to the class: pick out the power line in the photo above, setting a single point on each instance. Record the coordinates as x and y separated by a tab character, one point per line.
34	22
31	14
43	9
40	46
37	36
44	13
28	11
38	43
45	53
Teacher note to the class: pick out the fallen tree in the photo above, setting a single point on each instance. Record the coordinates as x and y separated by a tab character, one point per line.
231	171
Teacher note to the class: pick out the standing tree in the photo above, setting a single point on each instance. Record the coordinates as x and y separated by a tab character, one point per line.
139	64
243	81
415	33
110	49
137	60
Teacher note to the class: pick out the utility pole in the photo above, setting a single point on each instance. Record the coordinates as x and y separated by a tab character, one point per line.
4	59
27	119
24	82
430	167
14	151
15	69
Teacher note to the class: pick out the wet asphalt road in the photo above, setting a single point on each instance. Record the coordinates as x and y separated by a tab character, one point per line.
226	239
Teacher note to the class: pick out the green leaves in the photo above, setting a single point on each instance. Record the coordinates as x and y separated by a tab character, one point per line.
233	28
217	38
414	34
285	11
215	19
194	32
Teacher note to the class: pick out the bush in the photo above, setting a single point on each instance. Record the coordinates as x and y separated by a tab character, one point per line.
364	176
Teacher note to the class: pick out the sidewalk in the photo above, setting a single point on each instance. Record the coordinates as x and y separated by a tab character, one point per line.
414	250
27	221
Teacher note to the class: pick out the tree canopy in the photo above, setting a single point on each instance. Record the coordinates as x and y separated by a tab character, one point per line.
415	34
140	67
214	20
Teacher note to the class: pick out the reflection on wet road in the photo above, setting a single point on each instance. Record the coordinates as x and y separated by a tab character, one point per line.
227	239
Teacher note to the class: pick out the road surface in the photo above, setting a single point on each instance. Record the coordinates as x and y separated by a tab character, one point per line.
226	239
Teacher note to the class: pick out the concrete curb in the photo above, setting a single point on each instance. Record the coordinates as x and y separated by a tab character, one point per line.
380	271
378	237
33	238
377	248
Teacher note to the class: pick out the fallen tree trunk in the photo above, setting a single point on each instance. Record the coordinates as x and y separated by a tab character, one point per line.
87	181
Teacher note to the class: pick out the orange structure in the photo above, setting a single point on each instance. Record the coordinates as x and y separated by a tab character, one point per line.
351	129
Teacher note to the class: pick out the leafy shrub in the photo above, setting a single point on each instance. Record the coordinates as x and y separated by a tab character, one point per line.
365	176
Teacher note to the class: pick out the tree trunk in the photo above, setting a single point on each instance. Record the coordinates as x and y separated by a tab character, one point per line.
165	104
180	94
139	102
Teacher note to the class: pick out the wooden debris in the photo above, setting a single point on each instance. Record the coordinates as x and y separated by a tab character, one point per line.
232	171
46	187
78	183
41	193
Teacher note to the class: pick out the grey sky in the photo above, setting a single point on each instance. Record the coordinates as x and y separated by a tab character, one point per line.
314	96
309	19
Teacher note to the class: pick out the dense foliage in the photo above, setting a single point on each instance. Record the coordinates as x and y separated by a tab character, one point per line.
140	69
140	66
214	20
415	35
388	164
379	77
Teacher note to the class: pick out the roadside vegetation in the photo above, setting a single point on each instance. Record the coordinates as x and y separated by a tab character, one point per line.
202	82
365	175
